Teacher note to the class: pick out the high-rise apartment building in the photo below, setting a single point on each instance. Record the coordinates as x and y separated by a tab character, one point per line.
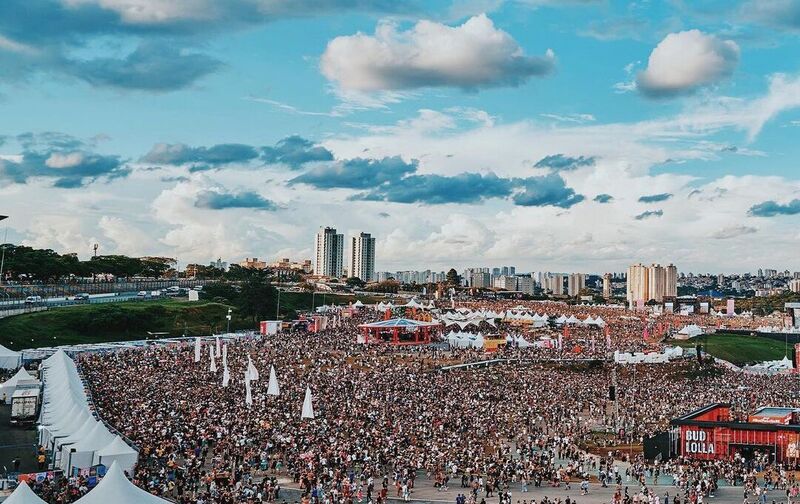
362	257
651	282
607	294
554	283
525	284
576	282
329	253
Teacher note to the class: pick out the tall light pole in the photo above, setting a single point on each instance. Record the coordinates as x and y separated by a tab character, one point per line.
228	316
278	308
3	257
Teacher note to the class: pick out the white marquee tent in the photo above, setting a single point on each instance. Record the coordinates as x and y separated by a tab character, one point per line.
67	426
9	359
21	379
115	488
23	495
117	452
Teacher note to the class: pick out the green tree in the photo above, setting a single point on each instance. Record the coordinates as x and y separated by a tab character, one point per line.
355	282
452	278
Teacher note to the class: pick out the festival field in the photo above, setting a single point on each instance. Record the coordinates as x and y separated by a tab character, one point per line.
738	349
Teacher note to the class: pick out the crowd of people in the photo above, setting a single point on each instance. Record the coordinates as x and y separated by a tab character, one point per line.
387	420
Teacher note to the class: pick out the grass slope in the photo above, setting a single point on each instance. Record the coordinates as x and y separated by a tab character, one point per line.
738	349
93	323
131	320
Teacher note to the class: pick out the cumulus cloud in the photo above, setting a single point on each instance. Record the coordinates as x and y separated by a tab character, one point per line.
603	198
199	157
772	208
685	61
437	189
561	162
65	160
733	232
649	214
473	55
782	14
221	200
150	67
163	31
655	198
548	190
295	151
357	173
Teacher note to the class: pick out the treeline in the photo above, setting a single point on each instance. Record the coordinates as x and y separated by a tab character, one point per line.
28	264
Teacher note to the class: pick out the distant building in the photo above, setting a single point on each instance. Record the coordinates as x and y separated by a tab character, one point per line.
607	291
480	280
576	282
794	285
329	253
525	284
253	263
553	283
362	257
506	282
285	264
651	282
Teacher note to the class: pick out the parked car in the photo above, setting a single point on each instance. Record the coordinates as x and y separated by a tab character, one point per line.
143	294
81	297
33	299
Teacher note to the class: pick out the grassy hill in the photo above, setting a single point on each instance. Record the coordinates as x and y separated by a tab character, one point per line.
121	321
130	320
737	348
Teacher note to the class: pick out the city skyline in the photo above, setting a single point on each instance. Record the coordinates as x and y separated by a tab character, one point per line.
557	136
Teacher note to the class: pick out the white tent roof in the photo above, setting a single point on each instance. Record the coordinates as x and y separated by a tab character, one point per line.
116	447
9	359
22	374
23	495
358	304
116	488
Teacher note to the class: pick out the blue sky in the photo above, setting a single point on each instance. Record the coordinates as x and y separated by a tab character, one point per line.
424	124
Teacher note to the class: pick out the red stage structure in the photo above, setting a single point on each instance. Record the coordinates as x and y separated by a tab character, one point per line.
710	434
399	331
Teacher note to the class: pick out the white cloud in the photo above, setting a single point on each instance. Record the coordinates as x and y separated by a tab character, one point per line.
686	60
154	11
473	55
62	160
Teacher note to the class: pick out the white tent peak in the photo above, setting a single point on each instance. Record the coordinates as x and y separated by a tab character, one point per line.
273	388
23	495
308	407
115	487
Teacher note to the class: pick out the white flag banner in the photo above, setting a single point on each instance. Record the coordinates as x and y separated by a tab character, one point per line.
273	389
251	369
218	347
211	352
213	366
226	377
308	407
225	355
197	349
248	398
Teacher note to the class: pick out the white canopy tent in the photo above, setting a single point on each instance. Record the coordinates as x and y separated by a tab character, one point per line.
9	359
67	426
117	452
21	379
115	488
23	495
691	330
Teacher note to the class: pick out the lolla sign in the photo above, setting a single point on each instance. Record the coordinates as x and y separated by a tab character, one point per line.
696	441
